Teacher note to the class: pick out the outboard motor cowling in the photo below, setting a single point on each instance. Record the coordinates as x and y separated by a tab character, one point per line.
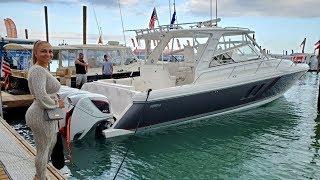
89	111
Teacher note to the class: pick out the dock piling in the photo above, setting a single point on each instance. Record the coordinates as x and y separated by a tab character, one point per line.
84	24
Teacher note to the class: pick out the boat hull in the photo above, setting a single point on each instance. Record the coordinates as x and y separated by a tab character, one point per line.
211	102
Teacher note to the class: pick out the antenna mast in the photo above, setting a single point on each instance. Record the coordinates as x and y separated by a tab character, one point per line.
217	12
211	9
124	36
170	10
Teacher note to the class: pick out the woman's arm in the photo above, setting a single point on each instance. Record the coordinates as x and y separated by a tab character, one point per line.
38	82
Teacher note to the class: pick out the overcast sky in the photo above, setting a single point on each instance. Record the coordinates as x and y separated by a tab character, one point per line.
279	25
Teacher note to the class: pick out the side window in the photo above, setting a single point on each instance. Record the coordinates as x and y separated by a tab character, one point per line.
220	59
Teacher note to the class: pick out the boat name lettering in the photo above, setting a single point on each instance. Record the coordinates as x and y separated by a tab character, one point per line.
155	106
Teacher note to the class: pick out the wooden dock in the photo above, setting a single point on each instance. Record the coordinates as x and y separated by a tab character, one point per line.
15	101
17	156
4	175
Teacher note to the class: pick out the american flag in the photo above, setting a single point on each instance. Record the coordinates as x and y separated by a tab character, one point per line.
317	45
153	18
174	18
6	70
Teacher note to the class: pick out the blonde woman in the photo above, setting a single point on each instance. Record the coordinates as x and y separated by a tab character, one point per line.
43	86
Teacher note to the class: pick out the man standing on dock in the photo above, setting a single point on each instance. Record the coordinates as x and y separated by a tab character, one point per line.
107	68
81	71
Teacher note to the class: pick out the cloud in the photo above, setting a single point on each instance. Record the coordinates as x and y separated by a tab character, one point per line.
69	37
234	8
106	3
42	1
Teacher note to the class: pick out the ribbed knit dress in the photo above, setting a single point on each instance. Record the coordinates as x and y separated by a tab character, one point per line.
43	86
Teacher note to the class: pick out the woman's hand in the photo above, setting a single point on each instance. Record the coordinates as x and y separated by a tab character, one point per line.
60	103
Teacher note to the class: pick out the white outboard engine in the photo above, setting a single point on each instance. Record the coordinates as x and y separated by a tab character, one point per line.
65	93
84	111
88	112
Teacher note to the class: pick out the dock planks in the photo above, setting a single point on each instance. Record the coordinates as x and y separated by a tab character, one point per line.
14	101
3	173
19	153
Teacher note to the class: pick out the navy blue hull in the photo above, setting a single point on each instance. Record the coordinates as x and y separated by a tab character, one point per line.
214	101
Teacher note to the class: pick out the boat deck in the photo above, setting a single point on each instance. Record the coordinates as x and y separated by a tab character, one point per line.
17	156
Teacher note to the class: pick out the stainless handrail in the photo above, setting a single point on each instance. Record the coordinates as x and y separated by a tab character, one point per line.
234	68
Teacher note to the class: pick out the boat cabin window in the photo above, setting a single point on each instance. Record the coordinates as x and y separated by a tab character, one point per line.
117	56
95	58
54	64
224	58
19	59
68	57
245	53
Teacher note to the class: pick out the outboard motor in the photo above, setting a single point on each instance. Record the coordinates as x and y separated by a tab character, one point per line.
66	93
87	111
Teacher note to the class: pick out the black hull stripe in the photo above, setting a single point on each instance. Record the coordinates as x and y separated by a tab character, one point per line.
171	109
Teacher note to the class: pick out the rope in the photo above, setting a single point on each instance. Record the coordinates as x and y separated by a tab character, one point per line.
135	131
95	16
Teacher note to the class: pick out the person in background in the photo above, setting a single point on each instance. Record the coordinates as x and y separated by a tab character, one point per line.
107	68
81	71
43	86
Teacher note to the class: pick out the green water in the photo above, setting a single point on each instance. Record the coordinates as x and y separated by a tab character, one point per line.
279	140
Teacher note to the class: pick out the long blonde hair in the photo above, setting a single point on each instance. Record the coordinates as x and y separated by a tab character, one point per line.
35	47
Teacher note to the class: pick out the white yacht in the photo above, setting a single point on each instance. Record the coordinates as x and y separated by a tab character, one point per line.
223	71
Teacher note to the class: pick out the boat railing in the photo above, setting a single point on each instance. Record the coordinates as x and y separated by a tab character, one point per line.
237	28
231	74
168	27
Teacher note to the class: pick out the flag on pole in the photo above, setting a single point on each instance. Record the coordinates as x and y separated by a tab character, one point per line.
133	43
317	45
100	42
153	18
6	70
303	43
173	18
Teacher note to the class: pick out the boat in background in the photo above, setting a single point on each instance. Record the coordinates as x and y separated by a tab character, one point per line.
62	65
307	58
224	71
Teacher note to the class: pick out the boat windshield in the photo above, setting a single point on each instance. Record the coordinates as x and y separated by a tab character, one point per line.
184	49
236	48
